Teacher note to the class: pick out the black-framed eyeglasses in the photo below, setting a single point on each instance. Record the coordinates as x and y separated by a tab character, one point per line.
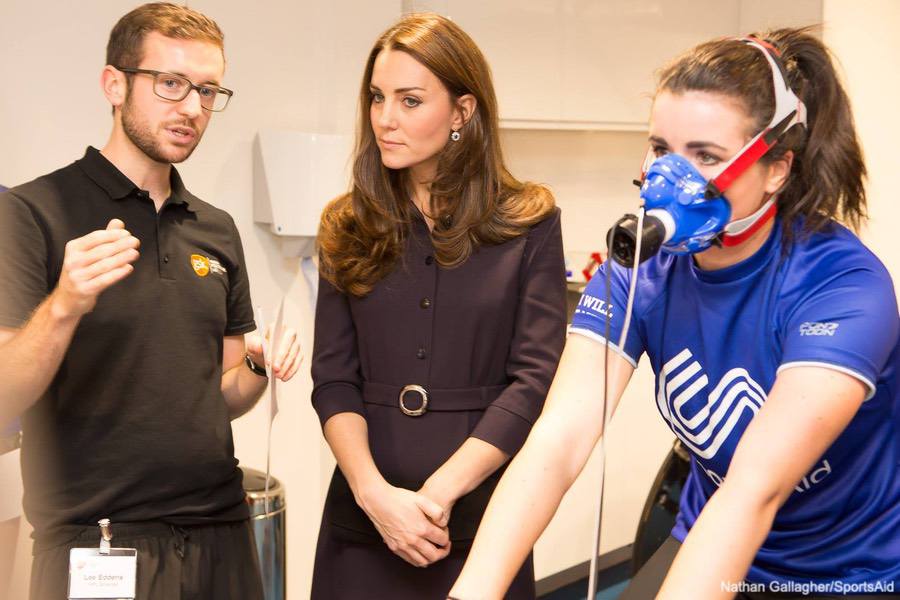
170	86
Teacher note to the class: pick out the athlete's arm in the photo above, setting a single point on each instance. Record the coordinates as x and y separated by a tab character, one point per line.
32	354
554	454
805	412
465	470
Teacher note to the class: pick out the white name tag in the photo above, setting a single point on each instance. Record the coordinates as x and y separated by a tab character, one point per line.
99	576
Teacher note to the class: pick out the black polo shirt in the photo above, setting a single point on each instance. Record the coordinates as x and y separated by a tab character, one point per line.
134	426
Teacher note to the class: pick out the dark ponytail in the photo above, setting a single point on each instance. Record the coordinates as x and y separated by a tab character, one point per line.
828	170
827	176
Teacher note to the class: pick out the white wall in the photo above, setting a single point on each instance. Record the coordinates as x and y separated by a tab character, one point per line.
759	15
863	37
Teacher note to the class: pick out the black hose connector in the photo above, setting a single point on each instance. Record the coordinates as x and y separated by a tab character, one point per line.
623	236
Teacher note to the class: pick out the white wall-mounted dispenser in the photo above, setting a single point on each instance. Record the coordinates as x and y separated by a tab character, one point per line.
295	175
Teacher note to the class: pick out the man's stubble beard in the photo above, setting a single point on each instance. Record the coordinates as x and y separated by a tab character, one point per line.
140	135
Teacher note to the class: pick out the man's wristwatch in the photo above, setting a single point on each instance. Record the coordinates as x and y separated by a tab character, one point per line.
255	367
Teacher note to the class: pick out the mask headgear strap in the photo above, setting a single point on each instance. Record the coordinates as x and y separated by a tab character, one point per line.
649	157
789	111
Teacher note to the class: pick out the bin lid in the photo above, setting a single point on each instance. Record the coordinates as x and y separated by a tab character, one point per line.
255	492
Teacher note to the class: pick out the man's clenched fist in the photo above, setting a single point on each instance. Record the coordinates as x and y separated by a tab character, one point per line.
91	264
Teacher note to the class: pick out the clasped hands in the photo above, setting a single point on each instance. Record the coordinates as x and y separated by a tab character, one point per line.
412	524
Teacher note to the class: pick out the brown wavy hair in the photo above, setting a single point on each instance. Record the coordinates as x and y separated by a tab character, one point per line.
828	171
474	198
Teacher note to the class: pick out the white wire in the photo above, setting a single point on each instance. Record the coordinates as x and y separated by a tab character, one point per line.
592	578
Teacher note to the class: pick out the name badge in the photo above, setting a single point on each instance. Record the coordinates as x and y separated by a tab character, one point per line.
96	575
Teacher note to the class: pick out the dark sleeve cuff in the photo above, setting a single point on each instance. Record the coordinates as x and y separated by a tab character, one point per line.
335	398
503	429
240	328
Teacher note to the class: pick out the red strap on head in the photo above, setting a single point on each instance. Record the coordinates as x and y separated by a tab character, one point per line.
789	111
746	159
735	240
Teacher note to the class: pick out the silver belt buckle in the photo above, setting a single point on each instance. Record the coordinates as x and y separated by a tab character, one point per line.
419	411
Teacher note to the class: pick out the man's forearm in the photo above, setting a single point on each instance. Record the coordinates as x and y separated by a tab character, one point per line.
241	388
31	358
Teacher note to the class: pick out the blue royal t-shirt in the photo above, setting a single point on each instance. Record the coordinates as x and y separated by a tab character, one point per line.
716	341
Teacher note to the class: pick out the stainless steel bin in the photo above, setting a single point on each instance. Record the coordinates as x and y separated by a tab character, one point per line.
269	530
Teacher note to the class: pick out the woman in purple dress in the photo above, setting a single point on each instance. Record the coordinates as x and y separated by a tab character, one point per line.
439	323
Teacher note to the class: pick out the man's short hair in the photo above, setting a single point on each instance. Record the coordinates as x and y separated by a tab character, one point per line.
126	40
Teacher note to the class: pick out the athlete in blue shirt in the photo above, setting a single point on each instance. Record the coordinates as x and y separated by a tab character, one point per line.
775	354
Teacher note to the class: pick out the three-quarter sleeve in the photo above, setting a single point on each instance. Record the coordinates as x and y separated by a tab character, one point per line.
337	382
537	341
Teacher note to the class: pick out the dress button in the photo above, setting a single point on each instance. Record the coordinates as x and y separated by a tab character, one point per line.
425	303
420	353
429	260
166	258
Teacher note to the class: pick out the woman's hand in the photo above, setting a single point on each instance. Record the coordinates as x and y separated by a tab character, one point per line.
438	491
406	521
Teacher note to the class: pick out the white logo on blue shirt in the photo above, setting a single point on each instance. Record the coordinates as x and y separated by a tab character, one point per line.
818	328
597	305
708	428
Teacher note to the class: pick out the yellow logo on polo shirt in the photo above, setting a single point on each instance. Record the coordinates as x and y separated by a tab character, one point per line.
200	265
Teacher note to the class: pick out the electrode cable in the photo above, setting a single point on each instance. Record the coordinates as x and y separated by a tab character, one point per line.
592	578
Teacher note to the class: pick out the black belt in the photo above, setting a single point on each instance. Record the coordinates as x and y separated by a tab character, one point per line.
476	398
8	443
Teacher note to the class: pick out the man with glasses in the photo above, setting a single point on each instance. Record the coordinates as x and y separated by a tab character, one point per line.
125	301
